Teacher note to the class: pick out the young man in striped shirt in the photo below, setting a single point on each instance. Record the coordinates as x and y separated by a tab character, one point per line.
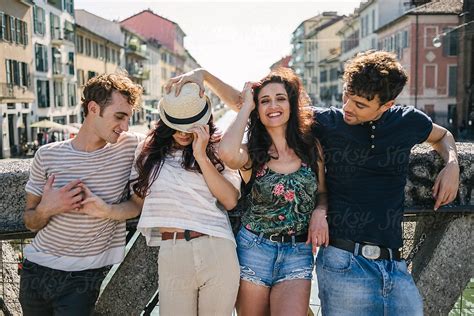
66	262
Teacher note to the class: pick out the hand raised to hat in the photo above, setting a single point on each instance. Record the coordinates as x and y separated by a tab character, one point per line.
200	141
195	76
247	96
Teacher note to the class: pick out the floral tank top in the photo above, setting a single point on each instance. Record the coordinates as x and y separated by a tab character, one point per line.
281	203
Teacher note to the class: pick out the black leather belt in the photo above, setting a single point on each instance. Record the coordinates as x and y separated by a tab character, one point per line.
366	250
282	237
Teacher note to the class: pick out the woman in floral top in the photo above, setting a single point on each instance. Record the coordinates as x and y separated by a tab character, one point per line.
283	163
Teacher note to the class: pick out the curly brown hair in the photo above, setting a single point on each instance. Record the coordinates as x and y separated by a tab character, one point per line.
100	88
374	73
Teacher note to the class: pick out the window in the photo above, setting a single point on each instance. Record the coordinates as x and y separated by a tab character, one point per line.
430	76
333	74
69	31
56	53
58	93
323	76
71	94
373	20
19	33
8	68
42	93
430	111
17	73
88	47
68	5
41	57
107	54
70	63
80	44
95	50
405	42
55	26
451	43
101	52
91	74
73	118
39	20
452	81
430	34
12	29
25	75
2	25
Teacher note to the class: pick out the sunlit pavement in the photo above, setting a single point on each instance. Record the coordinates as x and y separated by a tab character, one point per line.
222	125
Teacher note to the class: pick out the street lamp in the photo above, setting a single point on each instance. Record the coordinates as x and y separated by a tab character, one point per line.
437	42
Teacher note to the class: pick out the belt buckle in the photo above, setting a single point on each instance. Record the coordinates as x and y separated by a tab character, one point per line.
275	235
187	235
371	252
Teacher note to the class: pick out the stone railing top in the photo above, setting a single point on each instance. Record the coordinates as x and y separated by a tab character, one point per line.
423	169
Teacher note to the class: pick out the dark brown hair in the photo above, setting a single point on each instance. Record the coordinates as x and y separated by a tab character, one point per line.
374	73
100	88
159	144
298	131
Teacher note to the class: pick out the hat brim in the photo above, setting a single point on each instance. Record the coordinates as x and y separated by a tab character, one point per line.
185	127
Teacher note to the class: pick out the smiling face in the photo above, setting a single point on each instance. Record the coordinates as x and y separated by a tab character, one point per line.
113	120
359	110
273	105
182	139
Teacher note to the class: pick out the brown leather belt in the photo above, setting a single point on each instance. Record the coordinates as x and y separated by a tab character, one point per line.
187	235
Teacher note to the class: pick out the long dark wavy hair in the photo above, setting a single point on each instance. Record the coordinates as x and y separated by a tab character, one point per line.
298	131
158	144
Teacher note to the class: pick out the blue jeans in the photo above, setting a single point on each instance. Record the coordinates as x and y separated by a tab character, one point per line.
45	291
354	285
266	263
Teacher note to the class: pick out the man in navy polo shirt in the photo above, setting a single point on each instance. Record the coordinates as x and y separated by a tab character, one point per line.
366	146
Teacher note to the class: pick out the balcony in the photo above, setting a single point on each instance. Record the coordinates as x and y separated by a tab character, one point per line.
136	50
138	72
309	64
10	91
6	91
61	70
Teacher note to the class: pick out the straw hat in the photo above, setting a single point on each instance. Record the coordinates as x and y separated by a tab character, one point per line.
185	110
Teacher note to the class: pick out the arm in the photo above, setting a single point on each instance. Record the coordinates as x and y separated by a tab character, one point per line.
95	206
447	182
219	186
231	150
39	209
225	92
318	231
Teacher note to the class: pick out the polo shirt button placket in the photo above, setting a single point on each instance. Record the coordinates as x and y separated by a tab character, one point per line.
372	136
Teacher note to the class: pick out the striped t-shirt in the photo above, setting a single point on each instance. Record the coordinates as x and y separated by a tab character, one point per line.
73	241
180	198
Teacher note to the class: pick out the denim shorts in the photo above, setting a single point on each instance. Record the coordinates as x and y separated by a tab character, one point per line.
264	262
353	285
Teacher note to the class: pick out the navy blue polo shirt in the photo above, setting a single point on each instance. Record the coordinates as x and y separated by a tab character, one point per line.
366	170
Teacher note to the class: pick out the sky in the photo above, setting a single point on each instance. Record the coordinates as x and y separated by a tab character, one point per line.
236	41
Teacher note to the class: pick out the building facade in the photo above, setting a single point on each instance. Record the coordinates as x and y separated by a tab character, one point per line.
322	52
16	87
432	67
99	47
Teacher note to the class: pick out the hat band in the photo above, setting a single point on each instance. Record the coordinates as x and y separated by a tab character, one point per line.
188	120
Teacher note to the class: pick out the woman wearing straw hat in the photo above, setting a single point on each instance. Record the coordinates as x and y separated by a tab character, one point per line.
284	165
186	190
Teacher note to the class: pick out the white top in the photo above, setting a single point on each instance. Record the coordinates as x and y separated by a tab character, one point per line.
180	198
73	241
